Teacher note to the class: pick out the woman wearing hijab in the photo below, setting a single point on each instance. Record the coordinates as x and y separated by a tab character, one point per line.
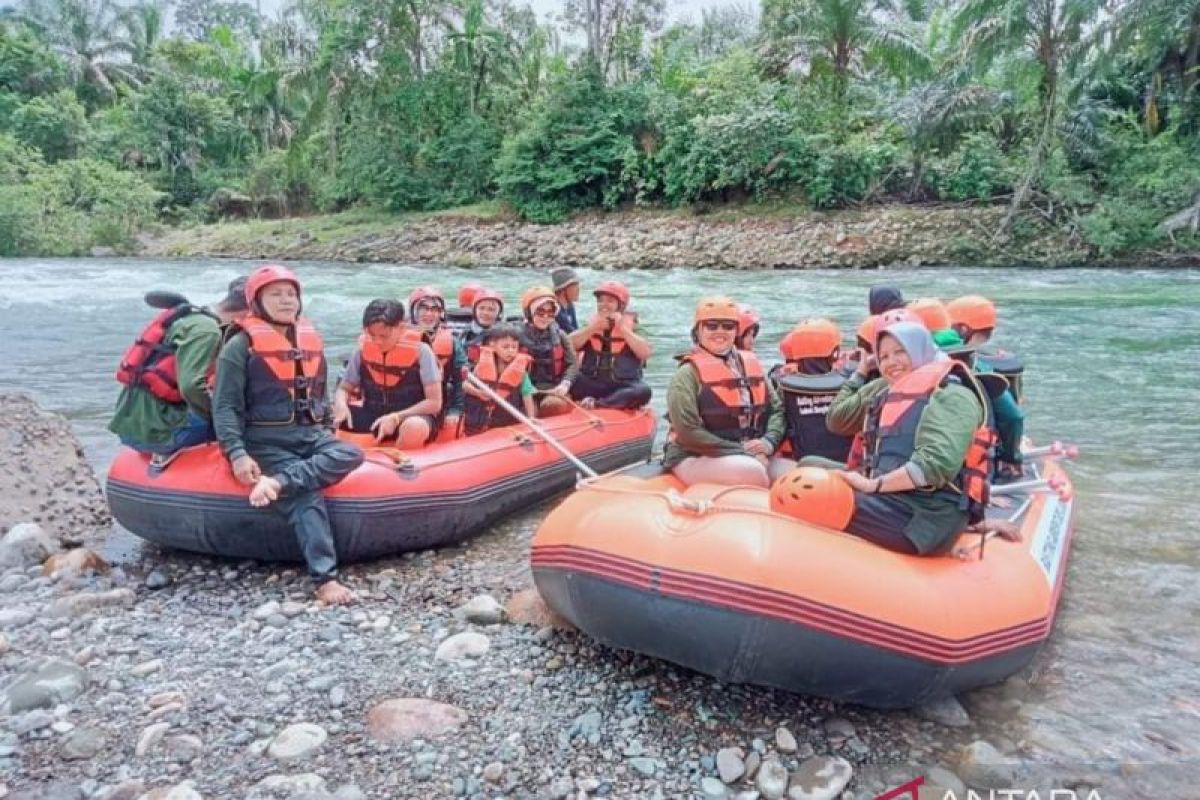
726	419
921	478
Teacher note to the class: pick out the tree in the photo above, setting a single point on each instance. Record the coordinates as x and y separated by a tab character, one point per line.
197	19
144	25
1165	35
613	28
90	36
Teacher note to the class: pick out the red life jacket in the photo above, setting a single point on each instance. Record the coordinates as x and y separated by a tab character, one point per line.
720	402
285	383
607	357
890	432
480	414
149	363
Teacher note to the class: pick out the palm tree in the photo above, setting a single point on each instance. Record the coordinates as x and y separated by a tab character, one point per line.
89	36
144	25
1165	34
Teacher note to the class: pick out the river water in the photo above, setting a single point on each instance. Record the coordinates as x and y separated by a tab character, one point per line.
1112	360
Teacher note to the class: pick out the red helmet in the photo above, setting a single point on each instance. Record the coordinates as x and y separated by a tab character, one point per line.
487	294
466	294
424	293
748	317
897	315
268	274
615	289
812	338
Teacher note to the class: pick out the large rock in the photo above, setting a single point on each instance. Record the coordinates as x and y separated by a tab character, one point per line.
947	711
297	742
25	545
527	607
482	609
44	476
982	766
463	645
820	778
50	683
406	718
75	605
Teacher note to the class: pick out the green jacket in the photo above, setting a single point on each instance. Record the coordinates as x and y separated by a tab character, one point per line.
229	409
691	437
943	436
144	418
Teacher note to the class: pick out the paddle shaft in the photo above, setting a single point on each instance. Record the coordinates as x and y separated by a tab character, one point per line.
517	415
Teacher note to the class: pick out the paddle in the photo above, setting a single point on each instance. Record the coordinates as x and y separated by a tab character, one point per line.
1055	449
163	299
1055	484
517	415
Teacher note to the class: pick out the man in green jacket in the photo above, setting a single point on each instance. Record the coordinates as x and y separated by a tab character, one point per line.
151	424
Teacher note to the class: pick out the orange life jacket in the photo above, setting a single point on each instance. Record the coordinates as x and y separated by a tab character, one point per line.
390	381
549	362
890	432
442	344
607	357
149	363
285	382
480	414
721	403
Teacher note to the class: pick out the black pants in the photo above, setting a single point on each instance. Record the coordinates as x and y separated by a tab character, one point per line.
611	395
882	519
304	470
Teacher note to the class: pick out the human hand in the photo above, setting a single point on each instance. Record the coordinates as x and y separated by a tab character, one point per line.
758	447
246	470
341	415
857	480
866	363
386	426
561	390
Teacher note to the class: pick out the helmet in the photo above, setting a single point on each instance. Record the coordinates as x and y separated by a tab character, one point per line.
898	315
814	495
972	313
533	296
424	293
265	275
932	313
866	332
748	317
466	294
615	289
487	294
812	338
716	307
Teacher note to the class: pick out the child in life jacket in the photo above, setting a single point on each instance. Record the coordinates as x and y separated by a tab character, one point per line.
487	308
392	385
505	370
271	418
553	366
427	310
613	351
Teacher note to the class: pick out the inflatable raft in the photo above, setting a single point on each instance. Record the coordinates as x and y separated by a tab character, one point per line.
710	578
393	503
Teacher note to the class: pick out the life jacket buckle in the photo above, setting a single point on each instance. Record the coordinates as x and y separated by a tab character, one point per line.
294	354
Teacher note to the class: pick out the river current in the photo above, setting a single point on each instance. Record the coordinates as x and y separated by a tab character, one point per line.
1112	365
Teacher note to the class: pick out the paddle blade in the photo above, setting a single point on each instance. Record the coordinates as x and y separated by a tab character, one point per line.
164	299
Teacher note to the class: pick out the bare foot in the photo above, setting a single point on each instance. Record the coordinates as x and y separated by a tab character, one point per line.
334	594
587	402
265	492
1006	530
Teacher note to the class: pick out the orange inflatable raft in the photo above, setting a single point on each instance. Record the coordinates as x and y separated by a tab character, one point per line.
710	578
393	503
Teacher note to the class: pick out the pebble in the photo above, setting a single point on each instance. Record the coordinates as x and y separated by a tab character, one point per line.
337	696
772	779
753	762
157	580
947	711
292	608
730	765
943	778
184	748
146	668
182	791
982	766
493	772
406	718
297	742
839	728
785	742
82	743
482	609
4	645
76	605
30	721
266	610
820	778
463	645
644	765
17	617
150	736
167	698
302	784
25	545
51	682
713	789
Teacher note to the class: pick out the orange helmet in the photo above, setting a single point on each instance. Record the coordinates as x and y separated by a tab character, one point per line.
814	495
812	338
932	312
466	294
972	313
866	332
897	315
487	294
748	317
267	274
614	289
716	307
532	297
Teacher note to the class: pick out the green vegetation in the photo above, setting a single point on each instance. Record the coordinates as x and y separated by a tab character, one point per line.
1081	113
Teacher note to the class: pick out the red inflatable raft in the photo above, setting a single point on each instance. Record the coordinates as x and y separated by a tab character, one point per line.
710	578
393	503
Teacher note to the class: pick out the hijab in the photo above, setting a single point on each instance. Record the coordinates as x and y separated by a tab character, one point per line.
915	340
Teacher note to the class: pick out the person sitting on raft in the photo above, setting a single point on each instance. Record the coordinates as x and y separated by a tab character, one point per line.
426	309
393	378
165	403
505	370
934	315
459	319
974	319
726	419
923	476
553	366
749	326
613	351
807	383
271	418
883	298
487	308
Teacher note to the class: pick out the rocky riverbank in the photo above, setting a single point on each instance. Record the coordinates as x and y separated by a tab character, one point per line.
875	237
177	677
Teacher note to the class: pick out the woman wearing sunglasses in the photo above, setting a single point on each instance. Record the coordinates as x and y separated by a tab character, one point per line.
553	365
726	419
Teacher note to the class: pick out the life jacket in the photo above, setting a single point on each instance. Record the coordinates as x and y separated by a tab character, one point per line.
1003	362
441	342
607	357
285	382
549	359
472	343
890	433
149	363
806	401
480	414
390	381
720	402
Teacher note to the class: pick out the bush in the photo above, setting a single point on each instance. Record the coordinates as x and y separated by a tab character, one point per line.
56	125
850	171
976	170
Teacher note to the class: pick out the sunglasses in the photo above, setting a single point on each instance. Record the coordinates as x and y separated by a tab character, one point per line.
428	307
713	325
544	311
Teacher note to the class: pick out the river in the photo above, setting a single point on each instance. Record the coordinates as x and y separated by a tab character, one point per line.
1111	358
